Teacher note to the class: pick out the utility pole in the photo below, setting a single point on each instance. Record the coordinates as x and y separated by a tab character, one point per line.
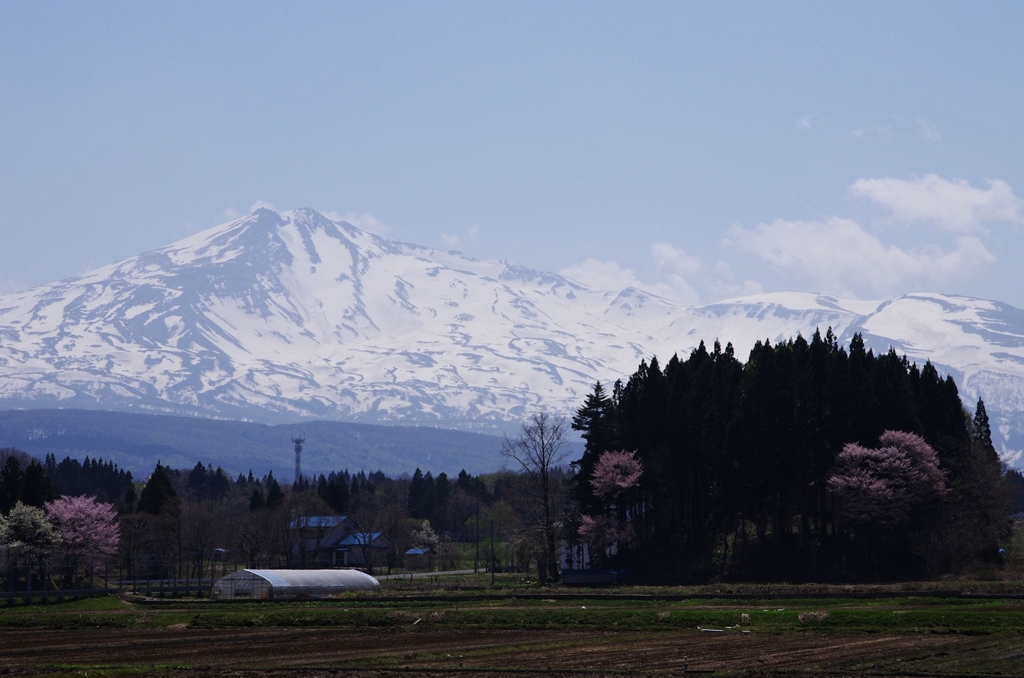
476	535
492	553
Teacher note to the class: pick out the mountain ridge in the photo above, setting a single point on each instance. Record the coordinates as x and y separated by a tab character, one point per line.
136	442
281	317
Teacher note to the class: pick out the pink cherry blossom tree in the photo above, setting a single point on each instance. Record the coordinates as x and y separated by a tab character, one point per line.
600	533
89	530
885	486
614	474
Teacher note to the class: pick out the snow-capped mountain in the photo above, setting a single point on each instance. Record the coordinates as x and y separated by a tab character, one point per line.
279	317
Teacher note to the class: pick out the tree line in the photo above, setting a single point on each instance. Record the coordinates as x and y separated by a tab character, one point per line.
754	470
192	520
192	523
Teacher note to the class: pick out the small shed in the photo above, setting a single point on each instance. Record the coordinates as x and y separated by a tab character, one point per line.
289	584
419	559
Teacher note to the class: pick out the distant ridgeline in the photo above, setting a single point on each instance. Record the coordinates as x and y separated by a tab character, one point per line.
743	467
136	442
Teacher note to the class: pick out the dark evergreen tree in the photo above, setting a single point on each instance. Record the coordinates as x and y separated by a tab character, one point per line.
274	495
256	500
421	495
982	432
197	482
473	487
157	491
415	501
11	482
36	488
50	464
335	493
595	422
440	509
218	485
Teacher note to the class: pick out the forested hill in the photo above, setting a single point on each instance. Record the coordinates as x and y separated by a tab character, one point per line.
741	463
136	441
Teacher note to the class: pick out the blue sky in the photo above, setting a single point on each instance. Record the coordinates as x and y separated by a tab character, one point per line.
700	150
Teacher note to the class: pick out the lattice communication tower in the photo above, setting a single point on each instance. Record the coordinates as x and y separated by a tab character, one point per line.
298	457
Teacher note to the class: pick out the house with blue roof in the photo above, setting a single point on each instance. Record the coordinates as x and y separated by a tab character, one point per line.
360	549
315	537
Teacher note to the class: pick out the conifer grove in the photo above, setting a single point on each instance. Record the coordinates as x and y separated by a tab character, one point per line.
740	477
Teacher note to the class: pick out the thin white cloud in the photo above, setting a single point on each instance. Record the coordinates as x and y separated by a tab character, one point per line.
230	213
9	285
952	205
900	127
610	275
454	240
668	257
692	277
929	131
364	222
838	256
602	275
881	130
262	204
725	284
678	276
804	122
672	266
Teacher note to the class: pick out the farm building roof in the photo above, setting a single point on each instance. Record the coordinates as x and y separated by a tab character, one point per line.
359	539
318	522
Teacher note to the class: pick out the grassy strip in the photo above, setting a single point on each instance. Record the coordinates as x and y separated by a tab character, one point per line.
521	605
894	616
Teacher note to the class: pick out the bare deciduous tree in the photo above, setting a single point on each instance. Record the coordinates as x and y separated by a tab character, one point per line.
394	527
539	451
251	535
199	529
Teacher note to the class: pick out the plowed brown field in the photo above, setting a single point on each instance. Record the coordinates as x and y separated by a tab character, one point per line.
317	651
